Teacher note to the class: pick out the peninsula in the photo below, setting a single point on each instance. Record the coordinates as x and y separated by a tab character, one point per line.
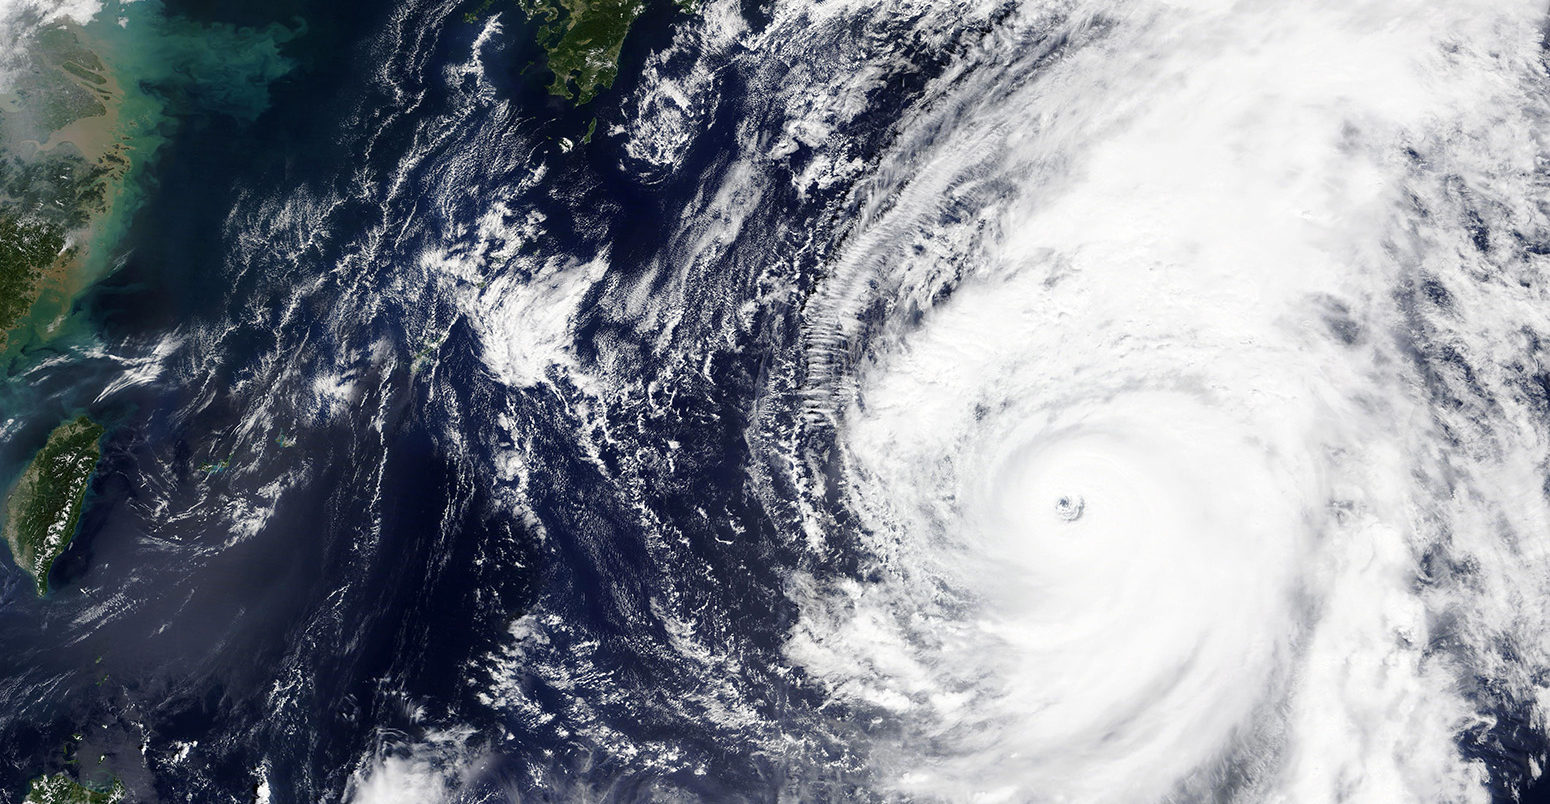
61	789
582	39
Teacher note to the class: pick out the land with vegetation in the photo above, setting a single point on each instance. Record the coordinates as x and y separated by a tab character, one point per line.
582	39
44	507
61	162
28	247
61	789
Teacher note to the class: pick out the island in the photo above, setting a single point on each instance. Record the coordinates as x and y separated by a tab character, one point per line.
61	789
44	508
582	39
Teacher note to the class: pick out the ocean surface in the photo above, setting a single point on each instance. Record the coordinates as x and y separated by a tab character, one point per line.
911	401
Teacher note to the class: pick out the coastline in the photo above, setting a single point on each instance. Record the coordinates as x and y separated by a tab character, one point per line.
68	158
44	508
85	107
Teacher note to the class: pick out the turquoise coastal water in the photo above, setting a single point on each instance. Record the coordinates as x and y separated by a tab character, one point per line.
170	71
162	74
173	70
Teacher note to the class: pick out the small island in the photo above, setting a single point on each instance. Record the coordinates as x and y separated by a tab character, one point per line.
44	508
61	789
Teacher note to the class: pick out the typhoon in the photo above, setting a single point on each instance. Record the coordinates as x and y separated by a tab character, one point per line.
812	400
1184	372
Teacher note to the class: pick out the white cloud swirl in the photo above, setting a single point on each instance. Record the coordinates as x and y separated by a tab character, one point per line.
1247	284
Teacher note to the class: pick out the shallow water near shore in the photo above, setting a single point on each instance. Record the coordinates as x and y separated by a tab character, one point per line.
857	401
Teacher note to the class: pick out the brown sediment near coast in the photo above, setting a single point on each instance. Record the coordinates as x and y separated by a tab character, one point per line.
64	279
70	88
95	136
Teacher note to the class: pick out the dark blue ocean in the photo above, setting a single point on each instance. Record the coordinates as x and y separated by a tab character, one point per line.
468	445
197	666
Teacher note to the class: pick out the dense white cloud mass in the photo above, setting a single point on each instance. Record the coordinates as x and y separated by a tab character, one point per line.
428	771
1172	416
1198	449
79	12
20	19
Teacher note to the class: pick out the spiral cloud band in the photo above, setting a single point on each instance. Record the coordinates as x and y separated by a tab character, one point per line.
1200	443
1140	401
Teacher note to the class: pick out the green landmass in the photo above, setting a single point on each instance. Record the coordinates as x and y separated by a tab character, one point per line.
50	90
59	160
478	12
582	39
61	188
61	789
27	249
44	508
41	202
83	110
